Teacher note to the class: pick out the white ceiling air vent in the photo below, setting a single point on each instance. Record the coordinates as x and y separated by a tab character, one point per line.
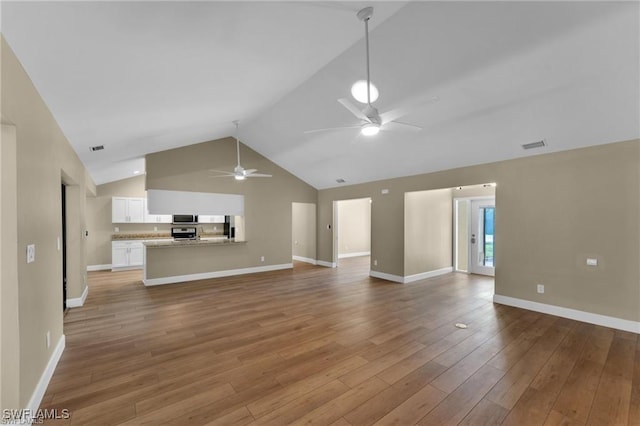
533	145
97	148
340	180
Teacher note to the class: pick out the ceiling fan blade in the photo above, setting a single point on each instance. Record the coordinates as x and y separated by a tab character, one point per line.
398	125
222	176
258	175
354	109
221	171
249	171
329	129
408	107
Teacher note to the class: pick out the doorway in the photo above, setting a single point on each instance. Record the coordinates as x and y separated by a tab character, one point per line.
63	198
474	235
352	228
482	237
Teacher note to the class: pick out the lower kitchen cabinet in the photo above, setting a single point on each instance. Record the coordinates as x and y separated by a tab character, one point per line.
127	254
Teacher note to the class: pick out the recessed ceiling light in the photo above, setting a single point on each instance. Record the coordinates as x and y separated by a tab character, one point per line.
359	91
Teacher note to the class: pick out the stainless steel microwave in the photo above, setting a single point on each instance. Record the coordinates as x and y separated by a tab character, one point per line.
185	219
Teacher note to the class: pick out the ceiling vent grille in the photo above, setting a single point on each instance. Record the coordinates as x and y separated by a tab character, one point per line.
340	180
97	148
534	145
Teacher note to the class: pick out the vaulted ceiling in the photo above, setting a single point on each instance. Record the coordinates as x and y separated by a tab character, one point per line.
141	77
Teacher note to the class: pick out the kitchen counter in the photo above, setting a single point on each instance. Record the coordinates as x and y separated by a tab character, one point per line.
155	236
192	243
169	262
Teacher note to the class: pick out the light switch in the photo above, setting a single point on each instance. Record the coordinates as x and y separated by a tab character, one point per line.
592	262
31	253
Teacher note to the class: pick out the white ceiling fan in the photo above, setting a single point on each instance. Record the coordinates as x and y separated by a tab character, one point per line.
371	121
239	172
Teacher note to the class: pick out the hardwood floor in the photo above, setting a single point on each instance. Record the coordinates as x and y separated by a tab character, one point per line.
334	346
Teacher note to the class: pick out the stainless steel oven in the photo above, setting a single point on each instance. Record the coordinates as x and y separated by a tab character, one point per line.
184	233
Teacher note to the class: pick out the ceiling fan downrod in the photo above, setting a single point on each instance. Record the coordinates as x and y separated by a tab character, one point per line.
364	15
237	123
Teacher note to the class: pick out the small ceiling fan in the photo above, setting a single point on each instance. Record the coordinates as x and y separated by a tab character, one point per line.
239	172
371	121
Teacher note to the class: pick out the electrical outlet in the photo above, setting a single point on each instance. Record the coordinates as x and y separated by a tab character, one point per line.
215	228
58	244
31	253
48	339
116	229
375	262
592	262
540	288
261	258
155	228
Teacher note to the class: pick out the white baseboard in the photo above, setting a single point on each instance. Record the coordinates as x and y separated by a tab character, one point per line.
43	383
410	278
78	301
356	254
305	259
388	277
428	274
559	311
98	267
215	274
326	264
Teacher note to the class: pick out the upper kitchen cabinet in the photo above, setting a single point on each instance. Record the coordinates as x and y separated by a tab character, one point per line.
156	218
127	210
210	218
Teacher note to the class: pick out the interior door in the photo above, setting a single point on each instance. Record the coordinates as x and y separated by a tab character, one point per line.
482	237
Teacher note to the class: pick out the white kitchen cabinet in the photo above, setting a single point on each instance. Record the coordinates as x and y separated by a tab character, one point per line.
127	254
156	218
127	210
210	219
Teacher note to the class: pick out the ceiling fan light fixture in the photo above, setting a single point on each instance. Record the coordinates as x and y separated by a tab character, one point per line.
370	129
359	91
239	177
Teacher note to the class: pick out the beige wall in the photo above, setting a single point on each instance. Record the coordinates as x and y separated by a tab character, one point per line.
44	159
99	218
9	293
462	237
303	218
354	226
268	212
428	231
552	212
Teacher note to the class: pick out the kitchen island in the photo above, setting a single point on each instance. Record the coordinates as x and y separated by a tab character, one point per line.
176	261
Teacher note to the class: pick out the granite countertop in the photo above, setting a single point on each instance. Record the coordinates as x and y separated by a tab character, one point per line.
204	241
154	236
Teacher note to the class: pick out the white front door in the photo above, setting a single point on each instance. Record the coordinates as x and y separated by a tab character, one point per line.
481	241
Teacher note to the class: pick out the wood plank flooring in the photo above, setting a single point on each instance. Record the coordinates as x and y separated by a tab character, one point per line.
324	346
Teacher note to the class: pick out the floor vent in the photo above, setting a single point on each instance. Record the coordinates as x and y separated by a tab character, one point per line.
97	148
534	145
